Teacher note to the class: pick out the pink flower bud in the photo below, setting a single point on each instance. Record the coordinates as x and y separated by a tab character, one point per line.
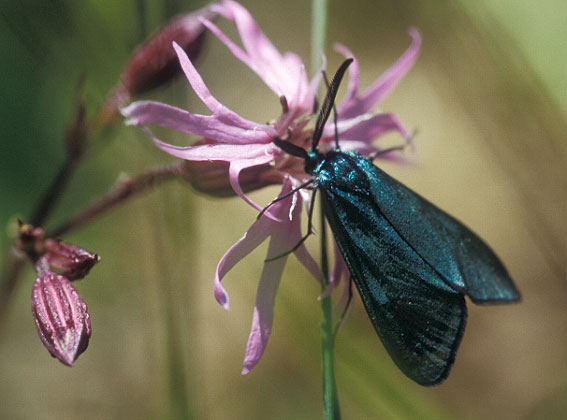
212	178
68	260
154	62
61	317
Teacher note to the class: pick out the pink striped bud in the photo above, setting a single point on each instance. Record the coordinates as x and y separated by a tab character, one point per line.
61	317
154	62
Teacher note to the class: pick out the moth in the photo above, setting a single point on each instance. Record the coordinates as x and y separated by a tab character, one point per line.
411	262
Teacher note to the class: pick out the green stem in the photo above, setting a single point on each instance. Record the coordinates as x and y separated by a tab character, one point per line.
318	31
331	409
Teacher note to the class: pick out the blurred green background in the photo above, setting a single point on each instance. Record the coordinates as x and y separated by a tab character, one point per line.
488	97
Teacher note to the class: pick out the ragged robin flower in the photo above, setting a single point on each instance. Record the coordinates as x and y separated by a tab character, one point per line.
238	154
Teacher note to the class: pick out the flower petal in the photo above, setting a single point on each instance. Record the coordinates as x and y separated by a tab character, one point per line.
210	126
257	233
353	73
301	253
255	153
283	237
368	127
381	87
280	73
264	309
234	171
219	110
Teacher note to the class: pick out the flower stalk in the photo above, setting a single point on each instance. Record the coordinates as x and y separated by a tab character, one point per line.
126	189
331	409
75	145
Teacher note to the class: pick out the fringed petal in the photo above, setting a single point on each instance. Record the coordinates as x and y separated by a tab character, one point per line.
384	85
209	126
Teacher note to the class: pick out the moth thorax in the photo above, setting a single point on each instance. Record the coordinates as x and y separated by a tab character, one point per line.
312	161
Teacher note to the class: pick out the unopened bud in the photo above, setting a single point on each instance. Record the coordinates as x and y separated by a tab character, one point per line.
68	260
61	317
212	177
154	62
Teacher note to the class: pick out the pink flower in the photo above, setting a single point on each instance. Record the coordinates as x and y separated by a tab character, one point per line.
239	153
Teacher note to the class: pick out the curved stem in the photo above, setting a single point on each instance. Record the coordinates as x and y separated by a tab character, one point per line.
54	192
125	189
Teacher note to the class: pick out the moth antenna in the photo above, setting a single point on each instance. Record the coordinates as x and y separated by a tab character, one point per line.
335	117
328	103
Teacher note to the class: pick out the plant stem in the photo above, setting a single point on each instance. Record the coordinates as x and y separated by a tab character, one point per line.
330	394
124	190
318	31
331	409
74	142
54	192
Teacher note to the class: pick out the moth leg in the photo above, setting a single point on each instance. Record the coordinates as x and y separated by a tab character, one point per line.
309	230
407	142
345	310
286	195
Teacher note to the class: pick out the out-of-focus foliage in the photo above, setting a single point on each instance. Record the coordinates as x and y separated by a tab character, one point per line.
488	99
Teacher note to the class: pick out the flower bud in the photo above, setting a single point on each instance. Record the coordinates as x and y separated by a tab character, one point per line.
68	260
61	317
212	177
154	62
